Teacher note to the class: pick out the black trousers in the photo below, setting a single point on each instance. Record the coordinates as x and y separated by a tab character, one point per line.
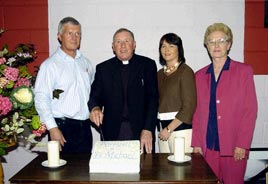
126	133
77	133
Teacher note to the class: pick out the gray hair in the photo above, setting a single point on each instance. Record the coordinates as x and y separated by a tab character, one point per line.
124	30
67	20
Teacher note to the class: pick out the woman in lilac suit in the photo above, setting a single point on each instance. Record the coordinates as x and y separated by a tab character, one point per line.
224	120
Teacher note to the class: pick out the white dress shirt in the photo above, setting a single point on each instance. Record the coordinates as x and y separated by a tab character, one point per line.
72	75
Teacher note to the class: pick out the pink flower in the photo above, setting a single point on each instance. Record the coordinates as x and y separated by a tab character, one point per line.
22	82
5	105
11	73
42	129
2	60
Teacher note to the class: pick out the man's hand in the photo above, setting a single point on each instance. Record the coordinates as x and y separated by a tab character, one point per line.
146	140
96	116
56	135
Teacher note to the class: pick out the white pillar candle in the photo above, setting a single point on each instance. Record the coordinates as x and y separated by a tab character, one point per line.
53	153
179	151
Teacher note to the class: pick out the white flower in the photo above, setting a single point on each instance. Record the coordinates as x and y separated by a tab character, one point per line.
14	126
19	130
23	95
5	128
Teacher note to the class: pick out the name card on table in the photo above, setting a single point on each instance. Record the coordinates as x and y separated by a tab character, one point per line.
115	157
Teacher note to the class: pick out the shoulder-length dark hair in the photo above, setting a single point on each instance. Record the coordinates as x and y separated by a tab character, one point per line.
174	39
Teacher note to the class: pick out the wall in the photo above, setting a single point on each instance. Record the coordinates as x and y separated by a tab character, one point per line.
149	20
256	54
256	37
25	22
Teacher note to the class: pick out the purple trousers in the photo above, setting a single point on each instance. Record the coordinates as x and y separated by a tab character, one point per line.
226	168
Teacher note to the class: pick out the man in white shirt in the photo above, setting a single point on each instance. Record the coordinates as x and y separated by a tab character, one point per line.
62	91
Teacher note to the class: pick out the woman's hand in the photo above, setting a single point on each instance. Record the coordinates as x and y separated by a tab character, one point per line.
239	153
198	150
164	134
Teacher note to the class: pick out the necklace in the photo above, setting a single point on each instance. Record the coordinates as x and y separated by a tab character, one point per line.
170	69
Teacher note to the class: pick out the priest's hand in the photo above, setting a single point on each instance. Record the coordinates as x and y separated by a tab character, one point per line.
146	141
96	116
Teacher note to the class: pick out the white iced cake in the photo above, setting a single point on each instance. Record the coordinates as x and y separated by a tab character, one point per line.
115	157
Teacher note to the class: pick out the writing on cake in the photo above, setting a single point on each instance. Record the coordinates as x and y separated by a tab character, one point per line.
113	150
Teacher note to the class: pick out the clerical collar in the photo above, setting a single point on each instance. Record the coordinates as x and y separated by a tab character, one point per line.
125	62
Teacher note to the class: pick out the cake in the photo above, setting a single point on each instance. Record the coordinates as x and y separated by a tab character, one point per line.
115	157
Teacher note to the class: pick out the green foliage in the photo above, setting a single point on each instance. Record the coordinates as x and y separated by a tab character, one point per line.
36	122
3	146
24	72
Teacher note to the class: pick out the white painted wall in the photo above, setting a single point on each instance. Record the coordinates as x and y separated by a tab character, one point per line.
149	20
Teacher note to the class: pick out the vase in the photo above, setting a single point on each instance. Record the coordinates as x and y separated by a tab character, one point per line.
10	145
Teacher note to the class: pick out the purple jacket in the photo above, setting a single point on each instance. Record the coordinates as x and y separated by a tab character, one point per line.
236	108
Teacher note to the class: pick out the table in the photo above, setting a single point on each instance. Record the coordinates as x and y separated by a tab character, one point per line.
155	168
257	157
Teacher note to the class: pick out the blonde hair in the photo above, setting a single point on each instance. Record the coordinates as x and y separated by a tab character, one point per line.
219	27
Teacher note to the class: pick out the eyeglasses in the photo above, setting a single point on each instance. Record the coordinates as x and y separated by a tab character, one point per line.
219	42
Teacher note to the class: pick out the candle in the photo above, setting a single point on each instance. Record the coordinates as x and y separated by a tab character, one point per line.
53	153
179	151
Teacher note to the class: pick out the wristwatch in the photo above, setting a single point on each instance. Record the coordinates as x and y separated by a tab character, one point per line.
168	130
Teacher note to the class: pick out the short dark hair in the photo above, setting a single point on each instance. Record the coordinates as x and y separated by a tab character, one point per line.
174	39
67	20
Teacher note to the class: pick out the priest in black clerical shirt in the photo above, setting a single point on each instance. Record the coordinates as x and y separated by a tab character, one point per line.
124	95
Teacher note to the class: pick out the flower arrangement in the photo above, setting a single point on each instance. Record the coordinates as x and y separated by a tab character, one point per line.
19	118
